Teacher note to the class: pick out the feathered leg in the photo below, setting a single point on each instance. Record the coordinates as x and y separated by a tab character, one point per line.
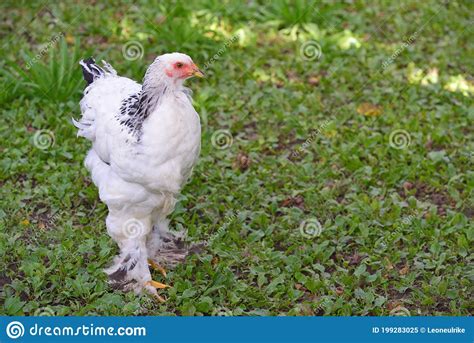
130	268
167	248
128	225
164	247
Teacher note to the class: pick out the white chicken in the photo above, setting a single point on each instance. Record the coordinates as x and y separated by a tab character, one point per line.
145	141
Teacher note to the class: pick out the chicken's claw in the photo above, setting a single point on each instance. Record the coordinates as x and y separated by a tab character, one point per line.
151	286
159	298
157	267
156	284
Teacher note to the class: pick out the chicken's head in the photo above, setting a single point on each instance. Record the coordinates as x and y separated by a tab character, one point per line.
179	66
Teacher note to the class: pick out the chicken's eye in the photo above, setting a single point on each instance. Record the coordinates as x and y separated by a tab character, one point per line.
179	65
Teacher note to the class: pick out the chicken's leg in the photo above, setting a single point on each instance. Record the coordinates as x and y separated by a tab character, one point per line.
166	247
130	270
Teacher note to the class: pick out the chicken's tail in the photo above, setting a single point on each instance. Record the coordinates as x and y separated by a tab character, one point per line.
93	71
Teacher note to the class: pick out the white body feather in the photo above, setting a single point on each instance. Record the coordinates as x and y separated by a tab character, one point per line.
138	179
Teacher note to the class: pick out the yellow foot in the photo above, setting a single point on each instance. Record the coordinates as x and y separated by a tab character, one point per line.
157	267
156	284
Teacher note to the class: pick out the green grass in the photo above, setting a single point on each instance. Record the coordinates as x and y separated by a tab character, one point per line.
311	144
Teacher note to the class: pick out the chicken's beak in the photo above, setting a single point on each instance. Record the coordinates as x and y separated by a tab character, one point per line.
197	72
